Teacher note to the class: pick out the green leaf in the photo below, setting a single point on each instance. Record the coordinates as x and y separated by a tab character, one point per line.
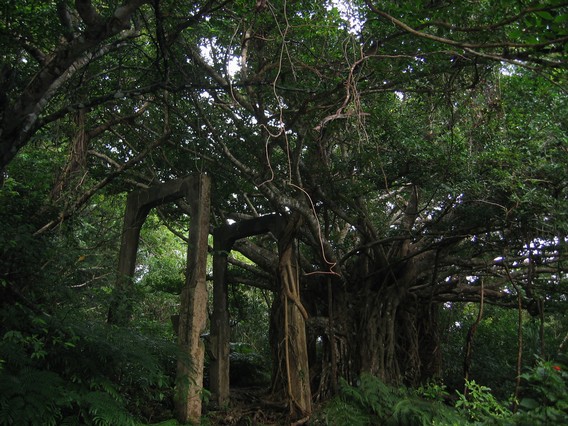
545	15
529	403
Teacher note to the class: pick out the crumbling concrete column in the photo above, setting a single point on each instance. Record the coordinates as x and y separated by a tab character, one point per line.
219	349
224	238
138	205
120	308
193	310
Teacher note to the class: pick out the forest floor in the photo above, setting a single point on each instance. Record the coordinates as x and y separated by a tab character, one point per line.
251	406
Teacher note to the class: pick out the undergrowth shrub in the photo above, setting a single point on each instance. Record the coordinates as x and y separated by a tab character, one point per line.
69	371
372	402
544	398
544	401
479	404
434	391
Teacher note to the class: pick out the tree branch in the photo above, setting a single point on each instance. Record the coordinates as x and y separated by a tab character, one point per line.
64	62
470	47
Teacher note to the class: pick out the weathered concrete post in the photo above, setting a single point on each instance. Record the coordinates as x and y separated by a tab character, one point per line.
293	354
121	305
219	365
224	238
193	311
138	205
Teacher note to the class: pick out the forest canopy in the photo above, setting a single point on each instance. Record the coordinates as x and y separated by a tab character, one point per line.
421	148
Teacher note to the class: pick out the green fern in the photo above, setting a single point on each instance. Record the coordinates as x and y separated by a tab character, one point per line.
367	403
417	412
339	412
104	410
72	372
31	397
373	402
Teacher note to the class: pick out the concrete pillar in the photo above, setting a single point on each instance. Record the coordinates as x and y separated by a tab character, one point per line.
193	310
220	331
224	238
120	309
138	205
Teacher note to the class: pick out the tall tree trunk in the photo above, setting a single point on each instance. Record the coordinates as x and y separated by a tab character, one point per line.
328	336
429	341
393	338
387	332
288	330
373	339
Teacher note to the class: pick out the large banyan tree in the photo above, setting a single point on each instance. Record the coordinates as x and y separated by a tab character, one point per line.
423	145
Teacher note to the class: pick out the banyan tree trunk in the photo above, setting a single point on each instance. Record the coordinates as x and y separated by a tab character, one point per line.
394	338
373	338
288	331
327	337
390	333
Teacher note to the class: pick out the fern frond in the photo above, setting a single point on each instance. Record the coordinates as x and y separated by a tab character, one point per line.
105	411
30	397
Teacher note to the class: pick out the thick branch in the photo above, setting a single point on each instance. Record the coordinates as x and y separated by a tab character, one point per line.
20	122
86	196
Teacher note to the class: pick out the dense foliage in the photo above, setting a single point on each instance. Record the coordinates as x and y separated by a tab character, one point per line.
423	144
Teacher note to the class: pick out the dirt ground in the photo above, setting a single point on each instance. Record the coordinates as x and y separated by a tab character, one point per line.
253	406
